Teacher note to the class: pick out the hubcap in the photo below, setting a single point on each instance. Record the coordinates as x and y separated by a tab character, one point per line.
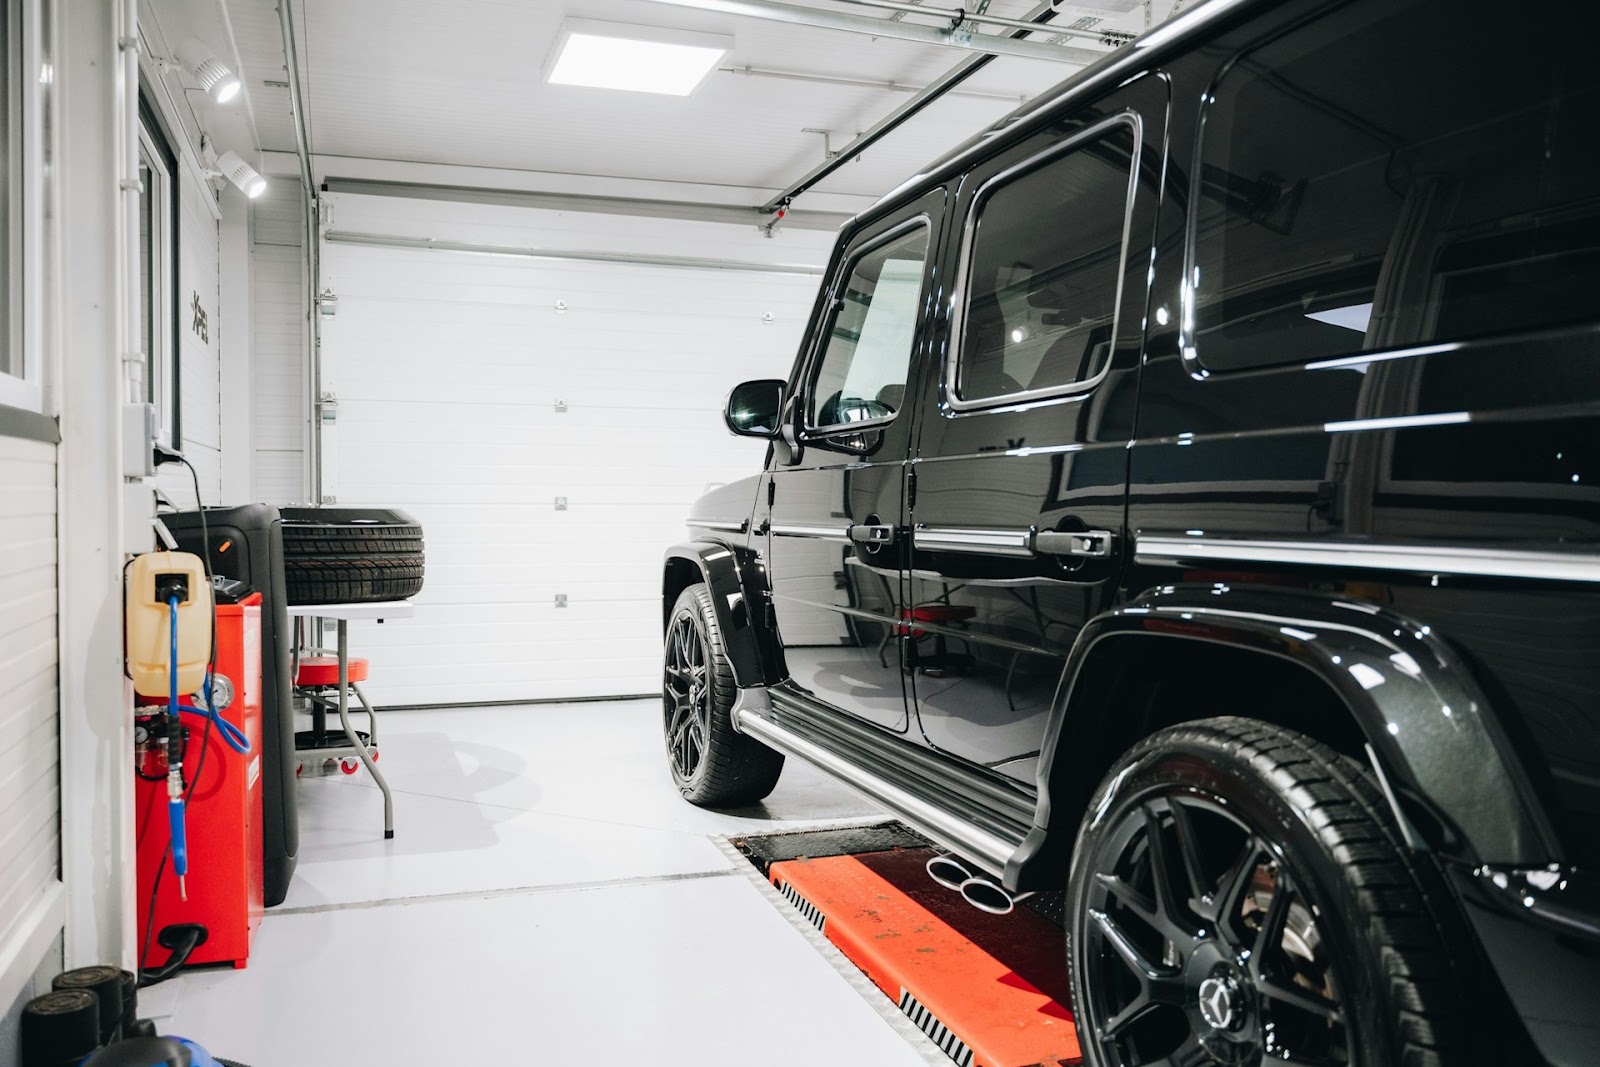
685	697
1219	1003
1201	947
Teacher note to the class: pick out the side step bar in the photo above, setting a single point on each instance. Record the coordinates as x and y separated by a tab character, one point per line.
973	842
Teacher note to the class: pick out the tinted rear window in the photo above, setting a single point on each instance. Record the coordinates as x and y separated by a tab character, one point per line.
1390	174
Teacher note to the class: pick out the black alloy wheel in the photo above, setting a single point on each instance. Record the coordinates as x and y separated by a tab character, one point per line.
1239	899
686	697
712	764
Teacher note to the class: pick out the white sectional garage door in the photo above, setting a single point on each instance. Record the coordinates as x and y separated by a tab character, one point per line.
549	422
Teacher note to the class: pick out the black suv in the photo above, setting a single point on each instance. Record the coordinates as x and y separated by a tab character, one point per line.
1188	495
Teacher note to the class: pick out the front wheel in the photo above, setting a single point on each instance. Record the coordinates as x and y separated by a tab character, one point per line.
1238	897
713	764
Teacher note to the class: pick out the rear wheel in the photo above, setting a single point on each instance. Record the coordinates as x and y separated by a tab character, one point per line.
712	764
1238	897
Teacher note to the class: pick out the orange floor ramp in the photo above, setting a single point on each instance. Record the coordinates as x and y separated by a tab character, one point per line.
989	990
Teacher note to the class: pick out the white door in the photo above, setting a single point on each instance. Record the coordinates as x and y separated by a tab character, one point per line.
548	422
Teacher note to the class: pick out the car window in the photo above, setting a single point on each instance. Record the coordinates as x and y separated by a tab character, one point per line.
1359	192
1044	259
862	373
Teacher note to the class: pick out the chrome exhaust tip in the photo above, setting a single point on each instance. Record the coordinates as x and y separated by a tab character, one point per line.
987	896
948	872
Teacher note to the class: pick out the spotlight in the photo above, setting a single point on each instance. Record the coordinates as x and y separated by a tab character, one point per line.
242	174
215	78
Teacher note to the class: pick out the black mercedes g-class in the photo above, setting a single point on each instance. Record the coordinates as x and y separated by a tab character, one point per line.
1188	495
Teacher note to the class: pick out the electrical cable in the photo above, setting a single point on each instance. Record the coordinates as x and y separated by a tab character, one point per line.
176	960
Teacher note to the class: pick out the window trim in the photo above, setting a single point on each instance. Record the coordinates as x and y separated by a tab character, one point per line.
28	392
969	227
162	366
825	332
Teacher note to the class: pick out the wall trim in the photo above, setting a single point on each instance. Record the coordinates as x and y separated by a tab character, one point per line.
28	425
22	952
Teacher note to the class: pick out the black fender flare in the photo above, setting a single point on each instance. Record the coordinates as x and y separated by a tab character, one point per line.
1437	745
737	581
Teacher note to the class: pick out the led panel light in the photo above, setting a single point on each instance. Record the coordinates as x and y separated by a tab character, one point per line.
639	59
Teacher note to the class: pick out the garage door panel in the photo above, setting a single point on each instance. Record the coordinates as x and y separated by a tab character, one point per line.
448	368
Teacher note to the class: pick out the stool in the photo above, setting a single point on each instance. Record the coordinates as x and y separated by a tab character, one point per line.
315	674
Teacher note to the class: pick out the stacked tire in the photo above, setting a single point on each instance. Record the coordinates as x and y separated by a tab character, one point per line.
351	555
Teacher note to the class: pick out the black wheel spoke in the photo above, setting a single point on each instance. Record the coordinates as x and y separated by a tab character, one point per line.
1300	999
1189	850
1168	916
1230	897
1189	1054
1126	950
1135	1010
1270	935
1135	901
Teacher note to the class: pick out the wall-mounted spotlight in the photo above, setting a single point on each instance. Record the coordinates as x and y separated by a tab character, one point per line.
241	174
204	67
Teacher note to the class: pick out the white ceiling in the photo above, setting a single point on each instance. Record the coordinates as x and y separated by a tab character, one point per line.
460	82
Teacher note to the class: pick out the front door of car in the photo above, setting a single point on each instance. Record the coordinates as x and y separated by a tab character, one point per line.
1019	481
836	517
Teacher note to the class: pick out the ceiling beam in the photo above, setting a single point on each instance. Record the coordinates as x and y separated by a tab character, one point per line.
954	37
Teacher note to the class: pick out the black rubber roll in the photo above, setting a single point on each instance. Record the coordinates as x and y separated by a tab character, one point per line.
130	1003
60	1028
106	984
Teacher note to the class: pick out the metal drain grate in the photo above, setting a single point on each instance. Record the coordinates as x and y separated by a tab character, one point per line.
808	909
929	1024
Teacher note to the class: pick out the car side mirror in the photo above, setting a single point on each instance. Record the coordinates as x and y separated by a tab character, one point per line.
755	409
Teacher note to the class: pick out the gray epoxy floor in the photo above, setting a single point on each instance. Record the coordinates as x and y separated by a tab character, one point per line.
548	898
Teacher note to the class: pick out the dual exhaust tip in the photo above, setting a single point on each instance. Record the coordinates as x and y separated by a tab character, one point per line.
975	889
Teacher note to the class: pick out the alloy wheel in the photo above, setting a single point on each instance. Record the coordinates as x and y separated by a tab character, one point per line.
1203	945
686	697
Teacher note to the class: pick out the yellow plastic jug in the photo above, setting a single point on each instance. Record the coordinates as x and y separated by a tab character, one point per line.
152	579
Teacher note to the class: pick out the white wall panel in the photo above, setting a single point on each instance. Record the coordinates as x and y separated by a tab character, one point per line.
199	355
280	406
448	367
30	805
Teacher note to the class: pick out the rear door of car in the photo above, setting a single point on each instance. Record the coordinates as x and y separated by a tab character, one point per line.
1019	479
835	518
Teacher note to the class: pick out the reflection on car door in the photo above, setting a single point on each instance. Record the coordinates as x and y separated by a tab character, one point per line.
1020	474
836	517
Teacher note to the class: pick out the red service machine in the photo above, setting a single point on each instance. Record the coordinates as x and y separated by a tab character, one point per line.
224	809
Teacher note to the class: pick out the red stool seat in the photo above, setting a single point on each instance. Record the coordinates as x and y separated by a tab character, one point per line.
934	613
318	671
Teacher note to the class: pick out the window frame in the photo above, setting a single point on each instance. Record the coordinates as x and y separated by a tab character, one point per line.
825	331
24	384
162	376
953	399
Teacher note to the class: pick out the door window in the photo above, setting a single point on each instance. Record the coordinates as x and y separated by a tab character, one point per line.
861	376
1359	191
1043	266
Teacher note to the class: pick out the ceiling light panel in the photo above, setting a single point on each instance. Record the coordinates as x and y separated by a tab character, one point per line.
640	59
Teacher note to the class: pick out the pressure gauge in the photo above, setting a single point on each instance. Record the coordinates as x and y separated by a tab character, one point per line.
221	693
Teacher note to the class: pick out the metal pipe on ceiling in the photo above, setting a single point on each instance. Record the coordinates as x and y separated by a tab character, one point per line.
1040	16
959	16
863	83
818	18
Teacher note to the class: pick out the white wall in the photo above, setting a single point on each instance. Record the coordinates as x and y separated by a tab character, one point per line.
281	406
448	367
30	768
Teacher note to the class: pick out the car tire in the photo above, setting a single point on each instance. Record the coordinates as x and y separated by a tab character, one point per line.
712	764
350	555
1239	895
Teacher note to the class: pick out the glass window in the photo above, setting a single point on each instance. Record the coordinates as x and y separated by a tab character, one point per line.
1380	178
1045	260
157	282
863	370
10	190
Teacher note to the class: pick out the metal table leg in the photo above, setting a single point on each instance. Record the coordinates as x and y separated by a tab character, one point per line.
344	721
